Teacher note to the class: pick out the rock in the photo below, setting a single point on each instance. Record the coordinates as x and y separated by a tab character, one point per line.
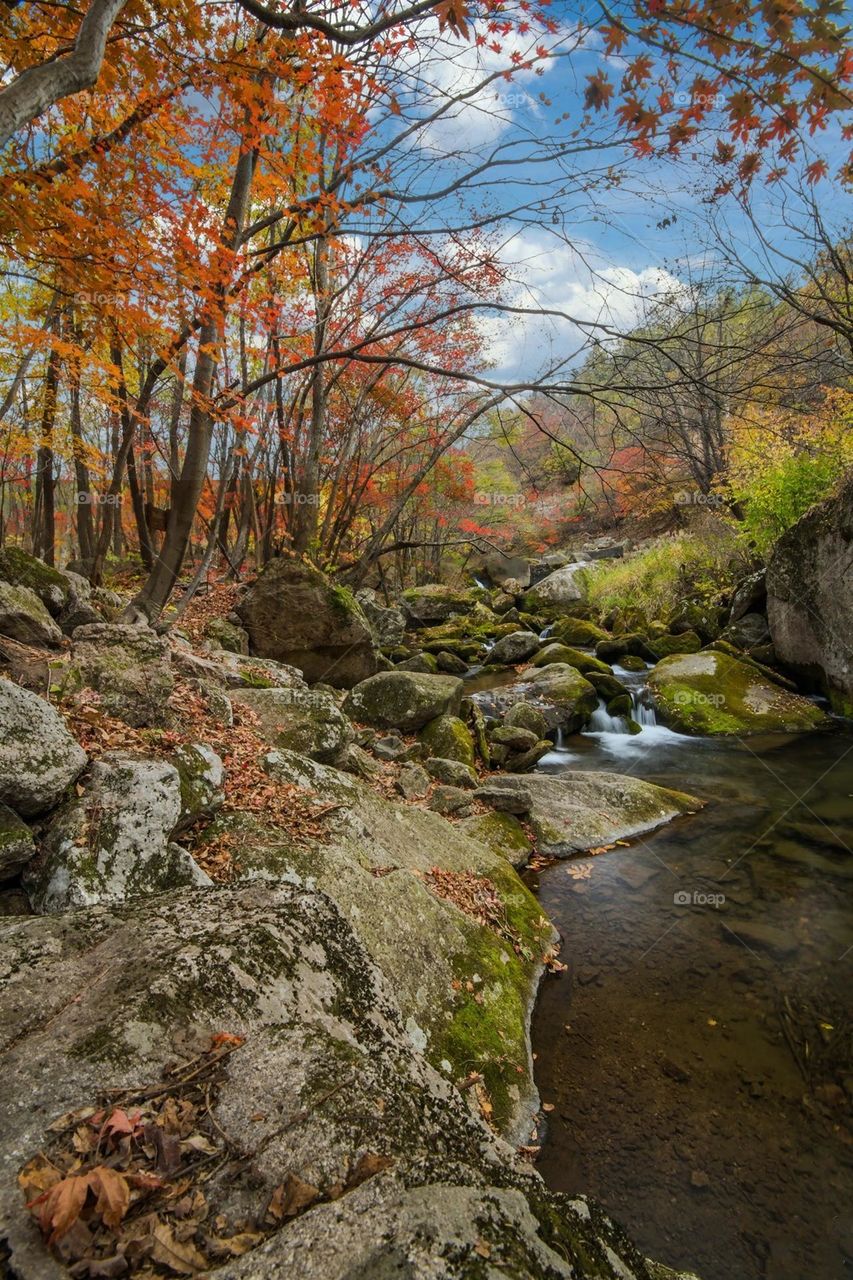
572	812
514	737
235	671
436	603
630	643
450	664
201	773
526	716
405	700
107	998
750	596
583	662
302	720
699	616
129	667
756	935
294	614
450	738
387	625
451	800
711	693
510	798
17	845
356	760
607	686
375	861
577	631
413	782
425	662
24	618
630	662
83	615
515	647
749	632
453	772
558	590
565	699
223	634
39	758
663	646
502	833
501	569
112	843
389	748
54	588
810	597
521	761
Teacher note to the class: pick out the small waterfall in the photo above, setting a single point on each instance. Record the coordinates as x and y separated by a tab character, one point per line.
544	634
559	739
481	583
643	711
601	721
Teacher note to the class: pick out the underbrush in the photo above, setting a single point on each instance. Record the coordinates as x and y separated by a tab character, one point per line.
697	566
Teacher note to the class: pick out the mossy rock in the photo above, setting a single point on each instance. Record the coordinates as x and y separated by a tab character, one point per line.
607	686
405	700
620	705
449	738
665	645
50	585
419	662
583	662
226	635
436	602
712	694
577	631
17	845
558	691
502	833
525	716
631	662
632	643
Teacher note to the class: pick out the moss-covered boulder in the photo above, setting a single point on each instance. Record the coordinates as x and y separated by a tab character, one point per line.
130	667
711	693
17	846
304	720
450	738
24	618
502	833
201	774
665	645
515	647
327	1091
606	685
223	634
39	758
113	841
466	988
420	662
52	586
559	692
577	631
405	700
524	715
583	662
296	615
631	643
572	812
436	602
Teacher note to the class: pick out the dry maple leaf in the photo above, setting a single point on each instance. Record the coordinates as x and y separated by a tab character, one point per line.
291	1197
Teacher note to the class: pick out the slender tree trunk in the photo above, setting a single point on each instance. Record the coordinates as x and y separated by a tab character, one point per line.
83	487
44	517
307	496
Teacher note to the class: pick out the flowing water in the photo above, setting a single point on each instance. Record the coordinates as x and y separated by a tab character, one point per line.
694	1061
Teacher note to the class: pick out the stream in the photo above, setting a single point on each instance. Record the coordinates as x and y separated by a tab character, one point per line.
694	1060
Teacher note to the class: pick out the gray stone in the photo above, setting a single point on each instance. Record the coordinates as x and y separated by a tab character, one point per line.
387	625
24	618
404	700
748	632
295	615
300	720
202	775
130	667
506	798
413	782
559	692
38	756
750	596
558	590
502	833
515	647
436	603
112	843
451	800
450	664
526	716
453	772
17	845
514	737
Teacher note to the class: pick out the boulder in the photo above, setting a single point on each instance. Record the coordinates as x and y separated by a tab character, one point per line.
711	693
436	603
452	772
572	812
559	692
450	738
24	618
450	664
521	761
327	1090
413	782
419	662
577	631
112	842
39	758
295	615
750	631
202	774
583	662
222	634
17	845
376	861
664	645
514	736
502	833
302	720
387	625
749	596
405	700
500	569
451	800
630	643
54	588
505	795
516	647
525	716
130	667
558	591
236	671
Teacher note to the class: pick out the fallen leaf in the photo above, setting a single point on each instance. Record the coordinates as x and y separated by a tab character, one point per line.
291	1197
183	1258
113	1194
367	1167
61	1206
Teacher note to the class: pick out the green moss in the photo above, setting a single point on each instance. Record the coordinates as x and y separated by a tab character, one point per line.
583	662
24	570
105	1044
449	738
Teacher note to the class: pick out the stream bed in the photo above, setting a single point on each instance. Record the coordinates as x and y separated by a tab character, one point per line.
694	1060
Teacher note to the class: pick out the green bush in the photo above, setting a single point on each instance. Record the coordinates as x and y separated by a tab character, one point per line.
774	497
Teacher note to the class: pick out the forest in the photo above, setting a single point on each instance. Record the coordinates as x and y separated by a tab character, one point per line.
426	674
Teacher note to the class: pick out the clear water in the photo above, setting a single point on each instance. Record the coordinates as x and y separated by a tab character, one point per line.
695	1058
